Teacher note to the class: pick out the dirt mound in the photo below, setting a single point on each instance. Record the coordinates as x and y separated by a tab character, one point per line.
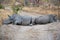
36	32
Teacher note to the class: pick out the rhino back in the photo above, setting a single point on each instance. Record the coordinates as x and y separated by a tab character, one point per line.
42	19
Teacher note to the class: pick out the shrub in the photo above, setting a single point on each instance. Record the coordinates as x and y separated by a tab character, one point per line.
1	7
16	8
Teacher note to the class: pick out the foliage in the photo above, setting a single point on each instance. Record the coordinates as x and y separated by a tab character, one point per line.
17	8
1	7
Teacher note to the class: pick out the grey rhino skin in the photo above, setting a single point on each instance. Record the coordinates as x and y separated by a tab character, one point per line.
45	19
53	18
7	21
26	20
14	18
33	20
18	20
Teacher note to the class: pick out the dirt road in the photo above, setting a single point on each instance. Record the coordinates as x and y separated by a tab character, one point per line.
29	14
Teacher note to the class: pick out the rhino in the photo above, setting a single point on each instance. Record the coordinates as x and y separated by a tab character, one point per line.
10	19
44	19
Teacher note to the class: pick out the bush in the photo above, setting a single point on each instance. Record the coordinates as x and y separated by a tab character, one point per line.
1	7
16	8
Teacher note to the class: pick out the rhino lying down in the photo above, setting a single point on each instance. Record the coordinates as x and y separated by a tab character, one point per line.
28	20
45	19
23	20
19	20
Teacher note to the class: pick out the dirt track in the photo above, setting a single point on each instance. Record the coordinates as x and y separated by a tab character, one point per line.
29	14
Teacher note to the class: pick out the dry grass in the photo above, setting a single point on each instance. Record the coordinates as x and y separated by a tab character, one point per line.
40	10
